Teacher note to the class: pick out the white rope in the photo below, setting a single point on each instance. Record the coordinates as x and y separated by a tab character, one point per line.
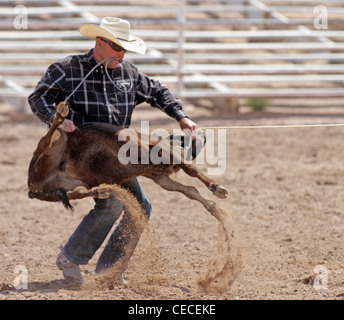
278	126
107	73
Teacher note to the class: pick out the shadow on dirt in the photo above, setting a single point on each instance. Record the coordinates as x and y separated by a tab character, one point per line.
43	287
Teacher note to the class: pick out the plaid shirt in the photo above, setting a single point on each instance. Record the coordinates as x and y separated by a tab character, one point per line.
97	99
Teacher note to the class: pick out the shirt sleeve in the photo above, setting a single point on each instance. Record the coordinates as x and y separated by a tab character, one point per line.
158	95
48	92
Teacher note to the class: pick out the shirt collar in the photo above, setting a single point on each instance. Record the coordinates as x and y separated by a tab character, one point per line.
91	59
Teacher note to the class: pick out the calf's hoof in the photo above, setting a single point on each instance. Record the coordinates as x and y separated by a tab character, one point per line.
62	110
101	192
78	192
220	192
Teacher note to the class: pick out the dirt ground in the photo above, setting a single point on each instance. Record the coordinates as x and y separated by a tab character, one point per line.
285	195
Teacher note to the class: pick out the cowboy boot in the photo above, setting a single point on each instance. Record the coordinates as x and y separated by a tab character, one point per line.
70	270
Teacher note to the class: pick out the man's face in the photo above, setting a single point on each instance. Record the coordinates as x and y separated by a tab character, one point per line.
109	49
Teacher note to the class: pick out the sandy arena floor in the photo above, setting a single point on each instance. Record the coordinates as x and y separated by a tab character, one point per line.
285	196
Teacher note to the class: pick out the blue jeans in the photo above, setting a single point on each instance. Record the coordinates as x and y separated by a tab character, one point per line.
95	227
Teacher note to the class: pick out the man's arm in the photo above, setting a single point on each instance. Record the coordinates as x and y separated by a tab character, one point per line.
158	95
48	93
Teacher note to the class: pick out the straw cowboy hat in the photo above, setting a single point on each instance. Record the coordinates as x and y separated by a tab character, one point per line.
116	30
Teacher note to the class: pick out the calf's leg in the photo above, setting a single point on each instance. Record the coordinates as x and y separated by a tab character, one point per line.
103	191
100	192
61	113
215	188
191	192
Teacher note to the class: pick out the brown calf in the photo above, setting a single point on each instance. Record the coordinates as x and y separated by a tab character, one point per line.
86	163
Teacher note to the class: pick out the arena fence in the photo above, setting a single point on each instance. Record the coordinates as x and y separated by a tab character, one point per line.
220	50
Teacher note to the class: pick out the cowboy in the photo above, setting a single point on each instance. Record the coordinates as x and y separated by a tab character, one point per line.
110	90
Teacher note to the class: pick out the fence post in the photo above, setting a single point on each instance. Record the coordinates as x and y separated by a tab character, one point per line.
181	40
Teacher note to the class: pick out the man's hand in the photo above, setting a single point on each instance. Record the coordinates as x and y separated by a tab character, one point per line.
188	126
67	126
